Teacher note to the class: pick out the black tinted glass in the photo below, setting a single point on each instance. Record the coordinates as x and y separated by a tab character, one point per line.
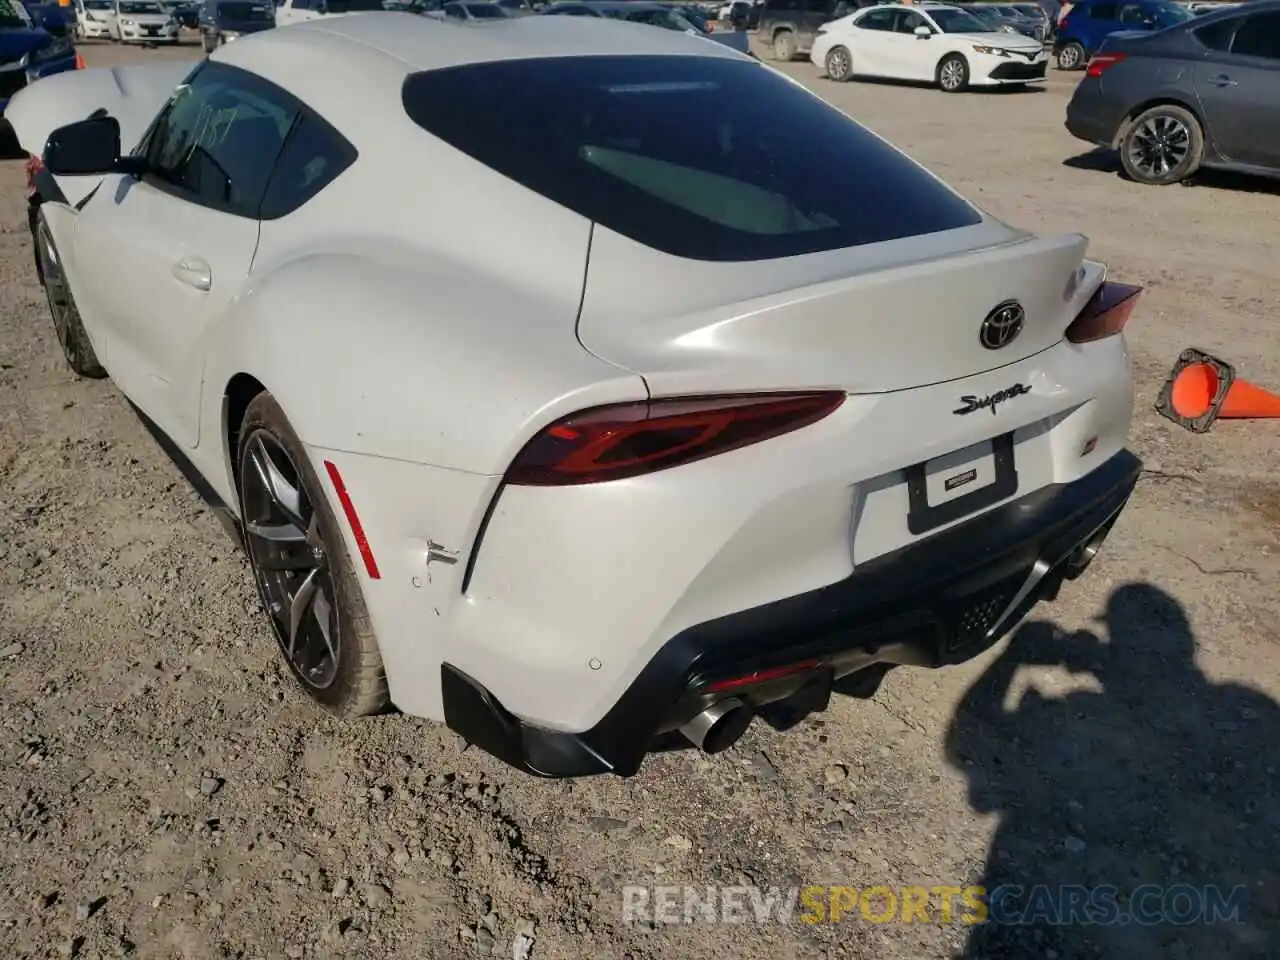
246	12
1217	36
1259	36
313	156
701	157
1102	11
218	138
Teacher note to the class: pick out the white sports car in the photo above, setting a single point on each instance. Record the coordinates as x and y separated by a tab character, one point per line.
560	390
929	43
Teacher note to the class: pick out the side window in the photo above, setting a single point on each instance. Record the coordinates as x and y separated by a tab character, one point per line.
877	20
908	21
217	140
455	11
311	159
1217	36
780	6
1259	36
1134	14
1102	11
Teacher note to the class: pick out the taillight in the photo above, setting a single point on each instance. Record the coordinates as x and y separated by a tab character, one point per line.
79	62
1101	62
1105	314
628	439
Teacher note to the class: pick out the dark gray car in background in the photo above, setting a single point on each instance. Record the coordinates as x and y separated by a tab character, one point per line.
1204	93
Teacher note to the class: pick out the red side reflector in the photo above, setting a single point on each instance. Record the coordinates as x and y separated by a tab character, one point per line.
628	439
1106	313
357	530
762	676
79	62
1099	63
33	166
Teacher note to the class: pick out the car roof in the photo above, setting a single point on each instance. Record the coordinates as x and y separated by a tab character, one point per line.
338	66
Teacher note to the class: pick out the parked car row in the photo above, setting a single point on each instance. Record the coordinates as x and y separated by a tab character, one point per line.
36	40
930	42
789	27
1201	94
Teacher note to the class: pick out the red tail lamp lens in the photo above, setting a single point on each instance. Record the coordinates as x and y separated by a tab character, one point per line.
628	439
1105	314
1102	62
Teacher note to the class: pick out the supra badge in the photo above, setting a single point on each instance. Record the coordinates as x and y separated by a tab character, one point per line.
991	400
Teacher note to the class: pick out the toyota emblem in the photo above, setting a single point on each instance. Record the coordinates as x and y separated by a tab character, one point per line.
1002	325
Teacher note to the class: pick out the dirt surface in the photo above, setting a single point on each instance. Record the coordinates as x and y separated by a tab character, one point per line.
165	792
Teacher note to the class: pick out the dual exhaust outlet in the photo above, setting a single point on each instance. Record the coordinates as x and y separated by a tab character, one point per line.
722	724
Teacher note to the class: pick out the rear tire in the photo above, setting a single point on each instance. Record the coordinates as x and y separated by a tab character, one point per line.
1162	145
953	73
334	653
67	324
839	65
784	46
1071	57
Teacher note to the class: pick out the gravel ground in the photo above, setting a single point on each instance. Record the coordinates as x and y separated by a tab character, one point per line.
164	792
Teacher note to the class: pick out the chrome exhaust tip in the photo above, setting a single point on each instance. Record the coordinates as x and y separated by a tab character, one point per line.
719	727
1083	555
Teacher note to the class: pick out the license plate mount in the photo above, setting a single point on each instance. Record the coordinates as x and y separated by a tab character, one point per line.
952	486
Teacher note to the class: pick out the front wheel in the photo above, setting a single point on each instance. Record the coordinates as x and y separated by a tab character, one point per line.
1163	145
67	324
839	65
784	46
304	574
1071	56
953	73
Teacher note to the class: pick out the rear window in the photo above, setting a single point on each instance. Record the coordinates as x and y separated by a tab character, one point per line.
699	157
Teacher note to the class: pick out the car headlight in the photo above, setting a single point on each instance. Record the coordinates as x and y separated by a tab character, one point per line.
992	51
230	35
127	23
1006	28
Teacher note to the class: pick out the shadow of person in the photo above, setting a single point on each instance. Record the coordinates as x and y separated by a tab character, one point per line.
1136	819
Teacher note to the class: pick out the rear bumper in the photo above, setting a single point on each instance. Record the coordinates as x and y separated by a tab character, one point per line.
940	601
1092	116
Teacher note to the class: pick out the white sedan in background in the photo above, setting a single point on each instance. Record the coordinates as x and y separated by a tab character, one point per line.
641	416
933	43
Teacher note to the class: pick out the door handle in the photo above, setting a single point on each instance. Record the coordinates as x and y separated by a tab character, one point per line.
1222	80
194	272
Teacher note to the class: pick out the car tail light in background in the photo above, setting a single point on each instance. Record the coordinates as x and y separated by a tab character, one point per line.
629	439
1105	314
1099	63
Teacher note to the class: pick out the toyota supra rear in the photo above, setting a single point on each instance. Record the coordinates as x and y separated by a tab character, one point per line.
636	418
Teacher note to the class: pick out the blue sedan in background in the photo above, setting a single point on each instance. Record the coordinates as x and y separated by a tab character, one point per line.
36	40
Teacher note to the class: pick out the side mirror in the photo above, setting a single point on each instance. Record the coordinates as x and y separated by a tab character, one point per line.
84	147
924	33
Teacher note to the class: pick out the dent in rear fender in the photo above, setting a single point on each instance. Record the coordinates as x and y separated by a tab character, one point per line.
372	358
420	523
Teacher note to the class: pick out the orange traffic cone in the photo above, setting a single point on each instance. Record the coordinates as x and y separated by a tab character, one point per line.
1201	388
